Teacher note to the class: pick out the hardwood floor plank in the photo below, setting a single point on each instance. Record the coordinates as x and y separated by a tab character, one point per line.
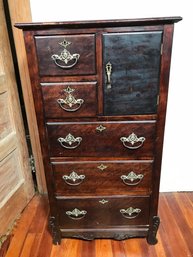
88	249
103	246
182	207
173	235
73	247
132	248
22	228
118	249
29	241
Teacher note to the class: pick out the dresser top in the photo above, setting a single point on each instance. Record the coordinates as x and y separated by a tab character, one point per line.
99	23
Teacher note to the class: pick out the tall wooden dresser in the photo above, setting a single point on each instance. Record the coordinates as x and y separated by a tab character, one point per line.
100	93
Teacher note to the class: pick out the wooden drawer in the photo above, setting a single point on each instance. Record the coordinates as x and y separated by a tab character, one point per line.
66	54
102	178
105	139
70	99
103	212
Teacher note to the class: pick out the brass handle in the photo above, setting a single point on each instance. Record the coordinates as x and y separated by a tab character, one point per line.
108	72
70	100
65	57
76	214
132	178
134	142
130	213
70	140
73	179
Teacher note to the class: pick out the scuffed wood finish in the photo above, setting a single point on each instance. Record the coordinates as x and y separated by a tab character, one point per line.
20	12
16	185
31	237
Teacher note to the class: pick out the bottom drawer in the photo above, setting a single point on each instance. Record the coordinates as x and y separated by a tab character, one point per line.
103	212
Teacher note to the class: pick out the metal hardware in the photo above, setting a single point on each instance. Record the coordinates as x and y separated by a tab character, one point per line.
100	128
108	68
70	100
76	214
130	213
65	57
73	179
32	163
132	176
70	140
102	167
157	99
161	49
103	201
134	141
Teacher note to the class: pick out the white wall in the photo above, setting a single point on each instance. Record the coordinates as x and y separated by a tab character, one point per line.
177	167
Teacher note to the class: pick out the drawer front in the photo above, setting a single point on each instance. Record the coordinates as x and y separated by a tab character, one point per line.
102	178
106	139
69	99
66	54
103	212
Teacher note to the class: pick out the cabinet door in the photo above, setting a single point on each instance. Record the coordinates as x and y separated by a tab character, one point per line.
131	67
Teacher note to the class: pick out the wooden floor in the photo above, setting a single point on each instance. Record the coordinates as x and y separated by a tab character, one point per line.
32	239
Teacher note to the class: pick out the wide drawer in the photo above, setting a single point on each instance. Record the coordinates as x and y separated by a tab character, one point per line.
102	178
103	212
69	99
66	54
105	139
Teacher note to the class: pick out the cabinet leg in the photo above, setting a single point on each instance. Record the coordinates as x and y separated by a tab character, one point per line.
55	231
151	238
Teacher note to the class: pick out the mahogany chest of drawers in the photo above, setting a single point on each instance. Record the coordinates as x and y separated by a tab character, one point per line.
100	93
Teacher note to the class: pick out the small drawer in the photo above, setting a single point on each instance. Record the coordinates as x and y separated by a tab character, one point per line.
66	55
69	99
102	178
105	139
103	212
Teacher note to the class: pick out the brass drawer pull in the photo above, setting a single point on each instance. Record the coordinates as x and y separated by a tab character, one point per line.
108	68
65	57
132	178
100	128
134	141
76	214
130	213
73	179
70	101
70	140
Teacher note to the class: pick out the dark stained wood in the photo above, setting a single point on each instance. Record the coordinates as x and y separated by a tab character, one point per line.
102	144
83	45
101	23
103	215
135	60
86	91
149	78
174	234
110	181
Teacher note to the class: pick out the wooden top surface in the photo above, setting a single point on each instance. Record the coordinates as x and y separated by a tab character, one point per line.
99	23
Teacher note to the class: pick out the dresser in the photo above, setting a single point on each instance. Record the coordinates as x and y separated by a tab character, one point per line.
100	93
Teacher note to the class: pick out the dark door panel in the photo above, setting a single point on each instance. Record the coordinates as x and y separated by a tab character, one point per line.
133	60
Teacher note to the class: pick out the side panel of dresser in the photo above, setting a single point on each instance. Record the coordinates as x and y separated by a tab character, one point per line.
38	103
164	83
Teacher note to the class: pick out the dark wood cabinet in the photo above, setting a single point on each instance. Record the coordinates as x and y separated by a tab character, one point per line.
100	92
